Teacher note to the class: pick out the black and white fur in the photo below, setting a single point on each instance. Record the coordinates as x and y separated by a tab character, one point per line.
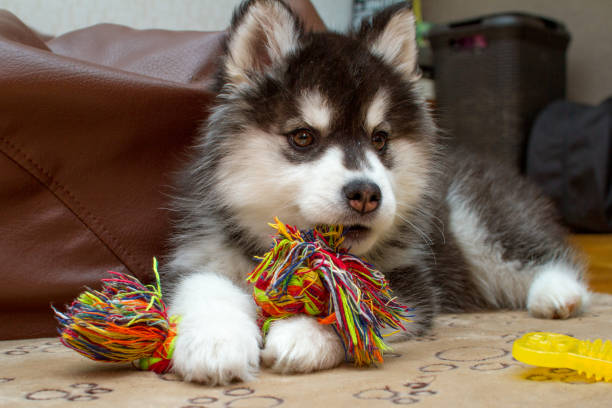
322	128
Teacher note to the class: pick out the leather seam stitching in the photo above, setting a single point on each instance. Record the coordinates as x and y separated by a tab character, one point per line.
51	184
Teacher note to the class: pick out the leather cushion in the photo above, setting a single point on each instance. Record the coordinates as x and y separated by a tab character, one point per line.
93	124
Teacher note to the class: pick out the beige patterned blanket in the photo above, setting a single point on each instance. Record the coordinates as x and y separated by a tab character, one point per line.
465	362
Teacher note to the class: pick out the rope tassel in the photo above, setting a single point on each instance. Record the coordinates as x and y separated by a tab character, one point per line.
310	273
126	321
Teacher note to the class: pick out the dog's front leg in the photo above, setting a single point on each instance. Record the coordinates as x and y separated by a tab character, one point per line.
218	339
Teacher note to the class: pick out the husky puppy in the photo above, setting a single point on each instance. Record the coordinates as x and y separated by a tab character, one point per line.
323	128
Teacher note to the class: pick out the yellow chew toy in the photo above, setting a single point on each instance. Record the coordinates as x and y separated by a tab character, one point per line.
560	351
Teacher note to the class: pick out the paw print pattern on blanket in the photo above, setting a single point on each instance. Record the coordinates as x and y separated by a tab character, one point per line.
50	346
76	392
416	390
476	358
236	397
566	375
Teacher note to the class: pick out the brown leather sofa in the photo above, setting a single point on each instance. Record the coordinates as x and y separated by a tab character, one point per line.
92	125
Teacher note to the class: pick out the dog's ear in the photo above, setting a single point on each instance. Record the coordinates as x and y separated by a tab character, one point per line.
391	35
262	34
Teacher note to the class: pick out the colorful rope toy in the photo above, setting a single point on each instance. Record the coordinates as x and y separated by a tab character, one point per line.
127	321
560	351
309	273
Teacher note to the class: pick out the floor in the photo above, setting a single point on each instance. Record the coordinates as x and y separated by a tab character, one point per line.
598	247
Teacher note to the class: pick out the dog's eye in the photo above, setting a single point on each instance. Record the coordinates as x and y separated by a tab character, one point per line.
301	138
379	140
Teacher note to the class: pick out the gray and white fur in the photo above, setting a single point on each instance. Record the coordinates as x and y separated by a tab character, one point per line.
323	128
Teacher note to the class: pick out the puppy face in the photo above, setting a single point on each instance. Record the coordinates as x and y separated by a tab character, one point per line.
320	128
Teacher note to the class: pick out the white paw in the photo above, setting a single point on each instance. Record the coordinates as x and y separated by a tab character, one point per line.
217	352
300	345
218	339
556	293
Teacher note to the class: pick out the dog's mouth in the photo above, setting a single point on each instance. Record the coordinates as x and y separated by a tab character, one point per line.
356	233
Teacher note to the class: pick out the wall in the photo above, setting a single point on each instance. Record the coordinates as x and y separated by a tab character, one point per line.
588	21
59	16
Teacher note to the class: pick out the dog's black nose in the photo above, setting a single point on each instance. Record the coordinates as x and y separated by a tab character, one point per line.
362	196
